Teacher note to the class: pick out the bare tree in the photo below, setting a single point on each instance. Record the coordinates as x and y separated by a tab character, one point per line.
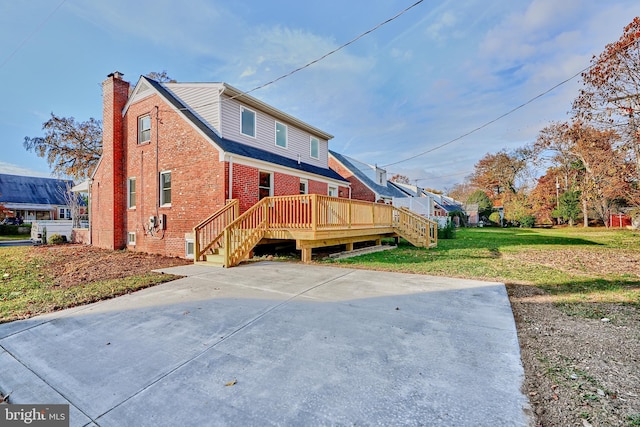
75	203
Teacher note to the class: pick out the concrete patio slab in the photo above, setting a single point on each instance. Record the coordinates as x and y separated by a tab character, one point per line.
300	344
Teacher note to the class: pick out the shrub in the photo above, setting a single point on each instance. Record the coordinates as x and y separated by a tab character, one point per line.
7	229
495	217
448	231
527	221
57	239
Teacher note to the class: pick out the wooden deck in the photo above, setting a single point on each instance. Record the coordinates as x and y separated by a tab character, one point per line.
312	220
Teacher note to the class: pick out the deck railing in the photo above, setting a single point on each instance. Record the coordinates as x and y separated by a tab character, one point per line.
208	234
313	213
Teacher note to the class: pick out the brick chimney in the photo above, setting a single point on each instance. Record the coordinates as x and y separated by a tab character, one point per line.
109	227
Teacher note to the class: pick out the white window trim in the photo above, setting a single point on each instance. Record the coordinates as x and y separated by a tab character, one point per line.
286	135
255	122
131	242
306	185
162	204
311	139
129	206
140	130
329	190
270	182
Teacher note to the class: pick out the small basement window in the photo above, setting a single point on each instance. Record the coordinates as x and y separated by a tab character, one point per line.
189	248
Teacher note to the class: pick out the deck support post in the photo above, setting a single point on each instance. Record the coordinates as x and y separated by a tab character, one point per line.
349	247
306	255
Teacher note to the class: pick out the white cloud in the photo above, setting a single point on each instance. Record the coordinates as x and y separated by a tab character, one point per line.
441	29
11	169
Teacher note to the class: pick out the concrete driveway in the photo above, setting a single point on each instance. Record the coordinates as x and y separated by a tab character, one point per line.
277	344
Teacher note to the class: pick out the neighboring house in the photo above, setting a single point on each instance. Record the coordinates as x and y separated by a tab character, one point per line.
368	182
33	198
443	206
174	153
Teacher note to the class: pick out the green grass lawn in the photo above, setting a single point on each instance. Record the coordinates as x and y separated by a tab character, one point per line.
572	264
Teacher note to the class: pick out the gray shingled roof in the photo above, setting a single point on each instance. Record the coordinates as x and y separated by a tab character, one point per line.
32	190
361	171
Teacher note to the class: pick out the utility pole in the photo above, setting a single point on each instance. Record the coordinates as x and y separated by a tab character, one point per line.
558	198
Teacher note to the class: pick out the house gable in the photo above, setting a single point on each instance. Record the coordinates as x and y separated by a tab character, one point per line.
241	151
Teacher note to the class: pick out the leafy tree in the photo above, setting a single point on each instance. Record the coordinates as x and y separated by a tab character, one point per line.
543	197
556	145
499	173
71	148
606	177
484	203
517	207
569	206
610	97
400	179
461	191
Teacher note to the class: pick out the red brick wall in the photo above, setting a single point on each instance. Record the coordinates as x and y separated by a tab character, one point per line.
316	187
285	185
198	178
245	185
359	191
107	200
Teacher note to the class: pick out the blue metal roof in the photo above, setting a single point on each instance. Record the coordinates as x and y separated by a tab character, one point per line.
360	170
242	149
32	190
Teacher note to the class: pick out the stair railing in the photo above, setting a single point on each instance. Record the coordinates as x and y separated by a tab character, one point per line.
208	234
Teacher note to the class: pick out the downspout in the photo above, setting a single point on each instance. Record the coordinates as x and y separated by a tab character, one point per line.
157	162
230	178
89	212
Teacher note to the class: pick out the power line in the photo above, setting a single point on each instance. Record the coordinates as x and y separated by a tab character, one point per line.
508	112
26	39
513	110
308	64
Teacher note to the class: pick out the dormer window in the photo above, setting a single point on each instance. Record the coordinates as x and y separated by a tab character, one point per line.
144	129
248	122
281	135
314	148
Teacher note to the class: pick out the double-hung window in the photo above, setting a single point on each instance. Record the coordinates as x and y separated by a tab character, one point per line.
265	185
281	135
304	186
314	148
248	122
144	129
165	188
131	193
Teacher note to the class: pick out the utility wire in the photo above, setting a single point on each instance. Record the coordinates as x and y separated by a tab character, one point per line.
513	110
507	113
350	42
26	39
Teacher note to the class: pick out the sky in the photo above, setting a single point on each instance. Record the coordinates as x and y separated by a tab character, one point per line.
428	77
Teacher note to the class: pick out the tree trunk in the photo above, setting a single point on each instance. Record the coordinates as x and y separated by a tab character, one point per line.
584	213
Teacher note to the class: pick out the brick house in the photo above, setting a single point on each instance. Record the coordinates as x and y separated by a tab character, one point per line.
174	153
368	182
